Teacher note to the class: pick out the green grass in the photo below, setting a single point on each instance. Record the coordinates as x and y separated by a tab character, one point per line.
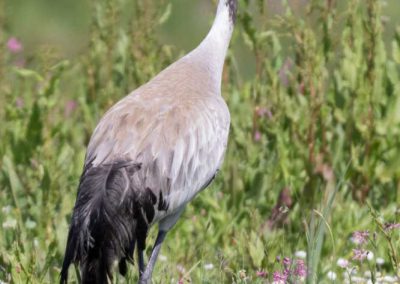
313	153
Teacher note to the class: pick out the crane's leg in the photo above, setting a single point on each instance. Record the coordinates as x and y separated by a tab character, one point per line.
145	278
141	262
163	227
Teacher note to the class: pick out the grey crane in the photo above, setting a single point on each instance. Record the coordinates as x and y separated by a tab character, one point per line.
150	154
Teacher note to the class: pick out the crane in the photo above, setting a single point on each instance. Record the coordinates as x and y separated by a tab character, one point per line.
149	155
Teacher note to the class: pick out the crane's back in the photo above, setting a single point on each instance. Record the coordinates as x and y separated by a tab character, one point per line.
175	126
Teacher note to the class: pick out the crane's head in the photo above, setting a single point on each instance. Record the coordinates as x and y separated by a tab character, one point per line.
231	5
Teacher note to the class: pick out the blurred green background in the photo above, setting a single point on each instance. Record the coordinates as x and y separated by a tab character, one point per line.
313	157
65	25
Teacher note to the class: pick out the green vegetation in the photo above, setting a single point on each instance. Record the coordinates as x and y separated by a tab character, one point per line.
314	152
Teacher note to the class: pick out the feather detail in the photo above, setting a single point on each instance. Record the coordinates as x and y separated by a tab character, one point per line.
109	216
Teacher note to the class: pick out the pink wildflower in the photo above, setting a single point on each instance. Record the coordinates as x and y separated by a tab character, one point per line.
69	108
359	254
257	136
389	227
301	270
278	276
287	262
181	269
284	72
19	102
360	237
261	274
14	45
263	111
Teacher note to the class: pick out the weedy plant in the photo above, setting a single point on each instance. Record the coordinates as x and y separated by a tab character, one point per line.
314	139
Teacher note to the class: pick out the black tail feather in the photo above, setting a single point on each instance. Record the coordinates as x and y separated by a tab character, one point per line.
69	255
104	222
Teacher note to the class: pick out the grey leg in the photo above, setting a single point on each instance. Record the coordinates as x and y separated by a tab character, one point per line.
145	278
141	262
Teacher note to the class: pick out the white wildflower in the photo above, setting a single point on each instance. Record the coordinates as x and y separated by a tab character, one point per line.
162	257
10	224
343	263
370	255
357	279
208	266
300	254
380	261
181	269
242	274
390	279
367	274
346	278
332	275
30	224
6	210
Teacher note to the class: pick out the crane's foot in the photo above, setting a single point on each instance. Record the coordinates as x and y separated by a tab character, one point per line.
144	280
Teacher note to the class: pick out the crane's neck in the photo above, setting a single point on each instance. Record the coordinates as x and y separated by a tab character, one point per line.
212	50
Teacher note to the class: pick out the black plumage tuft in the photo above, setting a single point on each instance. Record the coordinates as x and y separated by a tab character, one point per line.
233	6
109	217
